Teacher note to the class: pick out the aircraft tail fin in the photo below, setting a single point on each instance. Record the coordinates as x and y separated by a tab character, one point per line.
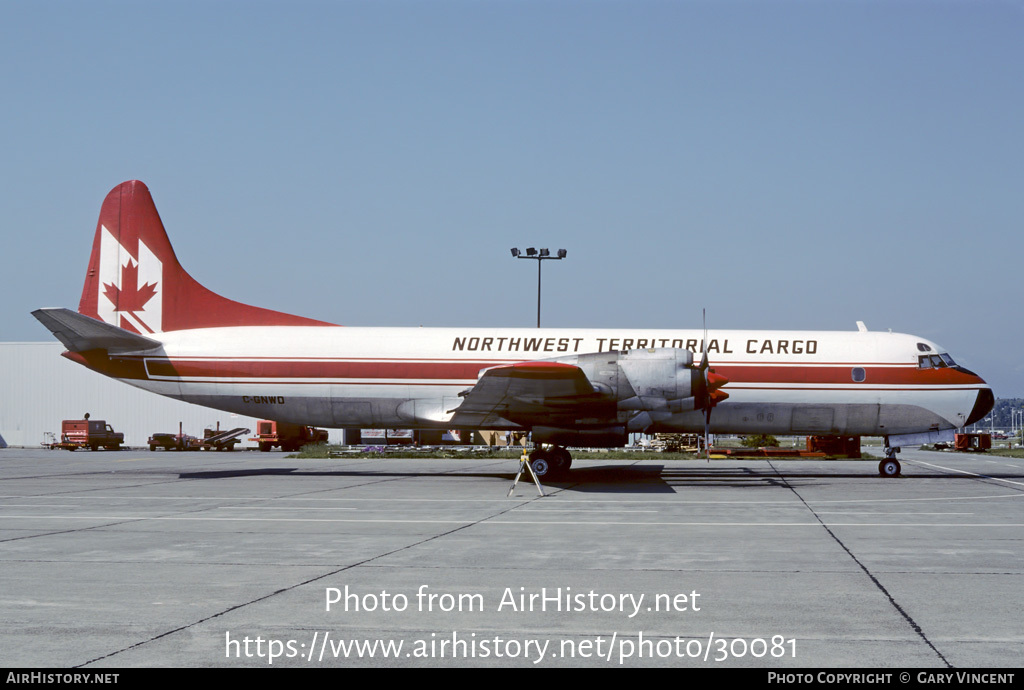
135	282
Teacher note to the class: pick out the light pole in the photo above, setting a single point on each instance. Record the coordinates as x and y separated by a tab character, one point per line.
532	253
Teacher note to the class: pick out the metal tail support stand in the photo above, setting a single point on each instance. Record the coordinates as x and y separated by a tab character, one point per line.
524	462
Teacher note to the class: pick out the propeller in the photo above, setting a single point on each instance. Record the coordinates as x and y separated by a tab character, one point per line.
710	393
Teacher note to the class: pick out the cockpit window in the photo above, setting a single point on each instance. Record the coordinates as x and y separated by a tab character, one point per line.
935	361
924	347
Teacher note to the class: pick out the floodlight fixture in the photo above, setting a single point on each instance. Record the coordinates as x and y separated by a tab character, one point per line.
532	253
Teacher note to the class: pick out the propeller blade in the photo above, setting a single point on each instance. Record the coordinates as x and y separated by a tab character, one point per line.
704	342
707	424
704	366
710	385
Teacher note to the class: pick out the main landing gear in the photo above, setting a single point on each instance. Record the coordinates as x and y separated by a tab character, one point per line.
550	462
890	466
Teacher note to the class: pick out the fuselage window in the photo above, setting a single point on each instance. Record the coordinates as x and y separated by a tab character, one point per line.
859	374
924	347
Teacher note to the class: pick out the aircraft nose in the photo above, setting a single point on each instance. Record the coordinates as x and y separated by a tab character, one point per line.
982	406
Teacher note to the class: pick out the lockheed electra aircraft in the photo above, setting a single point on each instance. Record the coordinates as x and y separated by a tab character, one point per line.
145	321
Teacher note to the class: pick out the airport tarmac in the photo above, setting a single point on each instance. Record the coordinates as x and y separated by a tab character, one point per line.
140	559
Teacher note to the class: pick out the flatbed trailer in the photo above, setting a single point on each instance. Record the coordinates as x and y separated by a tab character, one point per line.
223	440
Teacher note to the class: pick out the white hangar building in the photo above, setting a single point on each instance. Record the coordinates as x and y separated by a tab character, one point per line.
39	389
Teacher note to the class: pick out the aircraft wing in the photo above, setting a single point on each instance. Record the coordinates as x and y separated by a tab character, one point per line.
527	392
80	333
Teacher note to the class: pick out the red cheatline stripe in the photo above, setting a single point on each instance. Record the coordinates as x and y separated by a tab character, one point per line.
468	370
844	374
227	369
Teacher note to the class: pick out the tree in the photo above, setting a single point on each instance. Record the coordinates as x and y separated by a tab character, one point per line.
759	441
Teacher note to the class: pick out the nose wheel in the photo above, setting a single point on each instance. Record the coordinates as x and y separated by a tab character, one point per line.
890	466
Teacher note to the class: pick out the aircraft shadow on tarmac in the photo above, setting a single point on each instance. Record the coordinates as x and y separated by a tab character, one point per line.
621	479
654	478
647	479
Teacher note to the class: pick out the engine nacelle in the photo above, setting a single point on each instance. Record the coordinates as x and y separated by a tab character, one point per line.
657	380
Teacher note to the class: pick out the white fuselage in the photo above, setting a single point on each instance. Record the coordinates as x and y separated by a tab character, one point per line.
782	382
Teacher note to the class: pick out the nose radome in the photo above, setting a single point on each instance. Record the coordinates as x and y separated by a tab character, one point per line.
982	406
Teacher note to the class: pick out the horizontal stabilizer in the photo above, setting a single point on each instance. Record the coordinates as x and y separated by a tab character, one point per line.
80	333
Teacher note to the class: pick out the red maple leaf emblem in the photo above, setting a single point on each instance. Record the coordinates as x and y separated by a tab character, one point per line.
130	298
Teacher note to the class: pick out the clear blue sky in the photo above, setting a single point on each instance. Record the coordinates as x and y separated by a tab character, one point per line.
792	165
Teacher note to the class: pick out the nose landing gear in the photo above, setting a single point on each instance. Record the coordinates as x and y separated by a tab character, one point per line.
890	466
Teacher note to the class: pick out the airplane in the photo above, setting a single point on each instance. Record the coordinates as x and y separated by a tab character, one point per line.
142	319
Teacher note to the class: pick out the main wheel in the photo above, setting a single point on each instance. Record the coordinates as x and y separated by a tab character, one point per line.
540	462
550	463
889	468
561	460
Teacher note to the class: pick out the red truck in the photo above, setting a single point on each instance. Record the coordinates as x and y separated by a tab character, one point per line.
88	433
289	437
